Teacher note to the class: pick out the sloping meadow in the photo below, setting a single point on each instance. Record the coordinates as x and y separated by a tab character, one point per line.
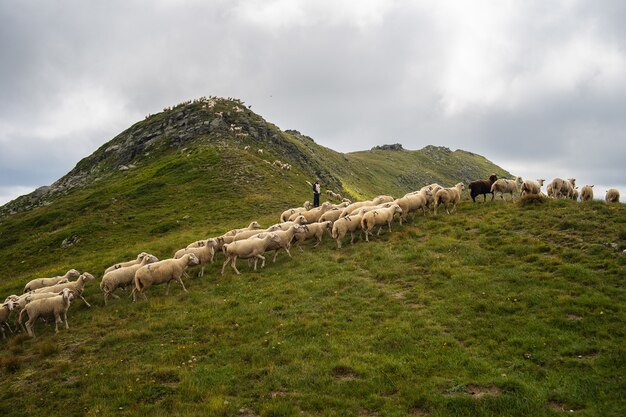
498	309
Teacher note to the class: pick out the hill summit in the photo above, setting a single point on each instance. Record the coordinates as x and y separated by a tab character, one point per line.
227	126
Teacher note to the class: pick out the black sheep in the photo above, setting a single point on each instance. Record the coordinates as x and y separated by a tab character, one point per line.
482	187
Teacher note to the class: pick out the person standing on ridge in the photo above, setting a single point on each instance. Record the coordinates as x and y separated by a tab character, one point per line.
316	194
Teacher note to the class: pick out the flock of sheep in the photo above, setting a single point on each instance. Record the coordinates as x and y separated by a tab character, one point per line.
51	297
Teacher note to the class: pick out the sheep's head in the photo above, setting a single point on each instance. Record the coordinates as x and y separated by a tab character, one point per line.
11	297
307	205
141	256
572	181
87	276
72	273
301	220
397	209
254	225
67	294
150	259
493	178
9	305
274	238
328	225
540	181
193	260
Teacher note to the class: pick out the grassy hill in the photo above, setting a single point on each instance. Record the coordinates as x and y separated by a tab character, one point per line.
498	309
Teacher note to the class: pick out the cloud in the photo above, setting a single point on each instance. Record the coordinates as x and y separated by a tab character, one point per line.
535	86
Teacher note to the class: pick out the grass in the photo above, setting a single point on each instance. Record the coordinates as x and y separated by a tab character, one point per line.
496	310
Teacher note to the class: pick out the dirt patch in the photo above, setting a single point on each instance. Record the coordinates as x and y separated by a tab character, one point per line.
574	317
367	413
418	412
477	391
344	373
398	295
559	406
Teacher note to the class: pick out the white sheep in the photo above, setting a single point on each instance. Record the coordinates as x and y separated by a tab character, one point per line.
285	215
162	272
314	214
503	186
531	187
314	230
5	312
563	188
549	190
252	226
127	263
122	277
612	195
575	193
379	217
351	208
286	225
47	282
285	237
586	194
447	196
204	254
248	248
76	287
344	225
54	306
331	215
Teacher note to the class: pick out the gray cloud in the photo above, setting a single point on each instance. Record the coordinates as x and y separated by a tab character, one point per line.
537	87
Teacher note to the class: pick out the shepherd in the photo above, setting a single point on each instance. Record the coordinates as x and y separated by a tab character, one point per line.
316	193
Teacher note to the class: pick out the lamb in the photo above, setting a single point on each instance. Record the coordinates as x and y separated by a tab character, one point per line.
563	188
248	248
531	187
314	230
161	272
128	263
503	186
379	217
482	187
586	194
344	225
122	277
48	306
612	195
5	312
47	282
76	287
204	254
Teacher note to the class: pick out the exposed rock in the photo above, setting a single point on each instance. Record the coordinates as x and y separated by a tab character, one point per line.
70	241
394	147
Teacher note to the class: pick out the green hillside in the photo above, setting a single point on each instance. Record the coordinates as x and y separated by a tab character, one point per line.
499	309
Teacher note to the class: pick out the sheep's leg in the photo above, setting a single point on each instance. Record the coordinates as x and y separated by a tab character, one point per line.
318	242
226	261
67	326
275	255
167	287
233	264
201	273
83	298
286	250
263	259
29	328
388	224
185	274
9	326
182	284
114	296
57	319
352	238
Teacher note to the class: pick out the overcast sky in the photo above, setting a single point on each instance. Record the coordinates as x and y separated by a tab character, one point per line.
538	87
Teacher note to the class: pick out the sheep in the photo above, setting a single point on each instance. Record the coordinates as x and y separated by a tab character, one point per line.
612	195
586	194
286	225
122	277
48	306
5	312
531	187
128	263
574	195
47	282
289	212
204	254
482	187
314	214
161	272
343	225
379	217
503	186
248	248
285	239
447	196
563	188
314	230
332	194
382	199
76	287
252	226
354	206
549	190
331	215
412	202
346	200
